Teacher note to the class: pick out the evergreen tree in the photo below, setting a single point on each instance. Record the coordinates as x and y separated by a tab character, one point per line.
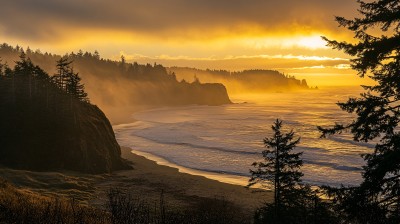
7	71
1	68
280	166
69	81
294	202
96	55
74	86
24	69
24	66
122	66
60	78
80	53
376	54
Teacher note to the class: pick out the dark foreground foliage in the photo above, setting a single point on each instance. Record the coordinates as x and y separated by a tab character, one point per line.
376	53
305	208
124	209
294	202
17	206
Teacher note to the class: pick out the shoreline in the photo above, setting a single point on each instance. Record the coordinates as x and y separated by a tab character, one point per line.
185	188
220	177
147	181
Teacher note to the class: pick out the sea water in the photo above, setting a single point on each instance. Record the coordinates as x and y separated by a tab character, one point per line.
223	141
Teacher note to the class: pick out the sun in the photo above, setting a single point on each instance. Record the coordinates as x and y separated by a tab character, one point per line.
311	42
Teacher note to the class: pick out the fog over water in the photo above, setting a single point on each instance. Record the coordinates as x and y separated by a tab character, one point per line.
228	139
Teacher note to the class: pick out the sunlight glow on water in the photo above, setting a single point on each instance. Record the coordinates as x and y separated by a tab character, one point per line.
228	139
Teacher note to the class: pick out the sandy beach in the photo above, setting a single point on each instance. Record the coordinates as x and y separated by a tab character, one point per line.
145	182
185	186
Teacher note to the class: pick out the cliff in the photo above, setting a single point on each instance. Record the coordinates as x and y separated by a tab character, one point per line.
44	128
211	94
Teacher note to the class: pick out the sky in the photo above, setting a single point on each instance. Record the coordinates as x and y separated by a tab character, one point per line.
283	35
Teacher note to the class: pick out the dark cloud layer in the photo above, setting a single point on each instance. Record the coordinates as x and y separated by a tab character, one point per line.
47	19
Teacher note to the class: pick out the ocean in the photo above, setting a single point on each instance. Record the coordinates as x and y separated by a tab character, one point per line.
221	142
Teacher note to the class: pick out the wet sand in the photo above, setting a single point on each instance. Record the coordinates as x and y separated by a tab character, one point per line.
150	178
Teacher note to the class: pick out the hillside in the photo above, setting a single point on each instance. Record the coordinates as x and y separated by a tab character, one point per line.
47	123
118	84
247	81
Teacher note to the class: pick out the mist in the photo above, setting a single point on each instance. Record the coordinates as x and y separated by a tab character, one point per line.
120	88
243	82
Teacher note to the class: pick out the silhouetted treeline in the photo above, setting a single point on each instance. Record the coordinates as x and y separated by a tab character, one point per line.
118	83
48	123
247	81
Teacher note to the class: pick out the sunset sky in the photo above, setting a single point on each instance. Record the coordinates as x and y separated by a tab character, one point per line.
217	34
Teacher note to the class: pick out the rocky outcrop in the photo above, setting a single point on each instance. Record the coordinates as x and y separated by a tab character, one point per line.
42	128
95	149
81	140
211	94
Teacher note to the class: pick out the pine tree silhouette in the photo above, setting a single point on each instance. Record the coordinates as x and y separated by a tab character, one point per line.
280	166
377	199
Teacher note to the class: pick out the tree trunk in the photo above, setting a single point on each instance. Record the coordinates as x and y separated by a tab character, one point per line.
277	182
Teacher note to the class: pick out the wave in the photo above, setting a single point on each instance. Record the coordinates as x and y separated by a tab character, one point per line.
234	132
240	174
352	142
226	150
333	165
196	146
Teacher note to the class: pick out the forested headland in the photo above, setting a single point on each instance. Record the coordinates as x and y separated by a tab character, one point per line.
48	123
244	82
120	84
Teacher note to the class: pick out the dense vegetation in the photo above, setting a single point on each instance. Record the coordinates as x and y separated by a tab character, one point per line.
17	206
247	81
376	200
376	54
48	123
294	202
120	84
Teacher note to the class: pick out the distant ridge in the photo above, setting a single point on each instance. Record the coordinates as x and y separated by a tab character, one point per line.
243	81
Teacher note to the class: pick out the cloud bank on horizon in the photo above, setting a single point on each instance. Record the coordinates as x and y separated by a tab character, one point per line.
48	19
230	34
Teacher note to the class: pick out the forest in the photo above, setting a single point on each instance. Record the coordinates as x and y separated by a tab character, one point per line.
244	82
48	123
121	84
